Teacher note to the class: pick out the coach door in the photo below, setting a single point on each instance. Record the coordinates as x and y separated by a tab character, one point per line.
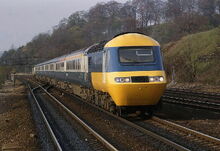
104	65
85	69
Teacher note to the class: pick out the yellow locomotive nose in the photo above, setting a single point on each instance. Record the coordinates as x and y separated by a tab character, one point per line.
133	93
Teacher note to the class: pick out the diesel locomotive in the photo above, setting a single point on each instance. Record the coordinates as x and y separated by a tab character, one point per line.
125	74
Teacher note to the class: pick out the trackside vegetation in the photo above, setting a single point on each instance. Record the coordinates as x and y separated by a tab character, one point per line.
195	58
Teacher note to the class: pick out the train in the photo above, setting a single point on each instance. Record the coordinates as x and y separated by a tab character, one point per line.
121	75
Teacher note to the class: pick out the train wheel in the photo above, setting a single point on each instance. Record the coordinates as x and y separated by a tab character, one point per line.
150	112
146	114
118	111
112	108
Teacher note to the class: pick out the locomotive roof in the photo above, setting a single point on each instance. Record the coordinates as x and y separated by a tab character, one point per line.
131	39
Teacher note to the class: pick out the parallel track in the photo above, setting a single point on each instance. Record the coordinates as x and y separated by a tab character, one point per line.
208	95
200	100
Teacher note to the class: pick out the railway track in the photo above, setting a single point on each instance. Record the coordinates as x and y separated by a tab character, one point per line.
57	141
209	101
51	132
212	141
207	142
207	95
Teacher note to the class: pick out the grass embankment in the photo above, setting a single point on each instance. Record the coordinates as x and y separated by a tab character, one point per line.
195	58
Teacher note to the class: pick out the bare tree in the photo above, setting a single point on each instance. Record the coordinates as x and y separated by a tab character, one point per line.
207	7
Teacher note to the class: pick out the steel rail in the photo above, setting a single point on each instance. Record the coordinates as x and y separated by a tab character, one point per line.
95	134
56	143
207	95
154	135
206	137
192	100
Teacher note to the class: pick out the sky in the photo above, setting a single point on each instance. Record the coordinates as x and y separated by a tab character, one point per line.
21	20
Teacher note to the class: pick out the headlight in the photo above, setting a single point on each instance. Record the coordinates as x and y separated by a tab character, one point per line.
161	79
151	79
122	79
156	79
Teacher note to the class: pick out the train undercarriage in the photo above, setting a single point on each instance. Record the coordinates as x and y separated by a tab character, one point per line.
98	98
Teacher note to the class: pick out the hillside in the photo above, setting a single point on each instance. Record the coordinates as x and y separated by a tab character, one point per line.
195	58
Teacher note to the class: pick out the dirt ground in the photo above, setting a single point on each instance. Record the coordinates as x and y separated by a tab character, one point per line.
17	129
210	127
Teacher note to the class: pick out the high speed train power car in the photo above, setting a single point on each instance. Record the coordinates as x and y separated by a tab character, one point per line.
124	74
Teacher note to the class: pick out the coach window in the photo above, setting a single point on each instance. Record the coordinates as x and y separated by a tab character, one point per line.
70	65
46	68
60	66
74	64
51	67
57	66
79	64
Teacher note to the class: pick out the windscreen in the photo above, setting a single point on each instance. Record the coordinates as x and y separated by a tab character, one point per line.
136	55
